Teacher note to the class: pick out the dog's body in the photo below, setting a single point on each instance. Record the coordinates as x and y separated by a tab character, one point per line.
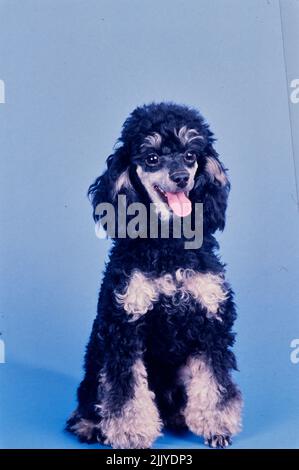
159	353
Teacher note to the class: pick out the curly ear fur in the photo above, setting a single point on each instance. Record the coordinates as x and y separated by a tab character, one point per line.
212	188
115	180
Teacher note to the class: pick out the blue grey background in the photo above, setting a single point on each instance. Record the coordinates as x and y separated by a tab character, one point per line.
73	71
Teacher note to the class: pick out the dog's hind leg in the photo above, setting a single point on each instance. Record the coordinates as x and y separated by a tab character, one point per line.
84	421
213	409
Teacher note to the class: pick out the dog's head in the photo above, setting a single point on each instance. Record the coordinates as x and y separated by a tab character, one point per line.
166	156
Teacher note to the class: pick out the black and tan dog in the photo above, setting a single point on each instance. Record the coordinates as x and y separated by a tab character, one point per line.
159	353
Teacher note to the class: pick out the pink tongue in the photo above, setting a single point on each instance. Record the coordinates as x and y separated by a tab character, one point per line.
179	203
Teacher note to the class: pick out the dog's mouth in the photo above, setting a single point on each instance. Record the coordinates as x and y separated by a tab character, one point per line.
178	202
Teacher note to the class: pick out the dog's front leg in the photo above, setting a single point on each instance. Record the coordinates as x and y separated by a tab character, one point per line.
127	409
213	409
128	414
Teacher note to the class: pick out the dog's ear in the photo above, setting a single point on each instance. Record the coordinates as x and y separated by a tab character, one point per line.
114	181
212	188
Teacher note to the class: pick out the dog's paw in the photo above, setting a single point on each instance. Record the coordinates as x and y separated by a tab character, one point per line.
131	432
130	441
218	442
85	429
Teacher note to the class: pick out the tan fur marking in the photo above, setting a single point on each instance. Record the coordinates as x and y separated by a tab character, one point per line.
206	288
139	423
203	413
215	171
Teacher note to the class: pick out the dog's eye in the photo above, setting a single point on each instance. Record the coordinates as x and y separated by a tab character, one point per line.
152	159
190	157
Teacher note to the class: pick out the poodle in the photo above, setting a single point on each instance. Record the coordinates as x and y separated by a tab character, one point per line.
159	354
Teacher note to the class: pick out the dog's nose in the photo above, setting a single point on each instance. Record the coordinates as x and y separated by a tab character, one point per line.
180	178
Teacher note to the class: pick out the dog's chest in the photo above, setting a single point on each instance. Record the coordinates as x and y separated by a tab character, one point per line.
175	327
183	290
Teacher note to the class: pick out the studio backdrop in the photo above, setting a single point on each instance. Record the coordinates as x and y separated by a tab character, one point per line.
71	72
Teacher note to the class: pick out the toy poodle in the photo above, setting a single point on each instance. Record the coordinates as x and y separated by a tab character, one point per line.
159	354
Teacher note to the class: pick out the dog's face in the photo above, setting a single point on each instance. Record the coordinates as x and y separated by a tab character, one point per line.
167	158
166	168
